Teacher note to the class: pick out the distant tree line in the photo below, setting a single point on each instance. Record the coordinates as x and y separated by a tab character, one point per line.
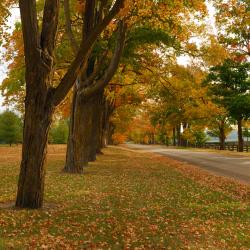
11	126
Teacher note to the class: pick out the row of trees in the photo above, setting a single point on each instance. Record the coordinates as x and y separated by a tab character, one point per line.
191	104
73	51
211	94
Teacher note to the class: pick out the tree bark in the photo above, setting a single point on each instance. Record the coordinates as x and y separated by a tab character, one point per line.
178	130
222	136
78	147
111	131
39	60
174	136
96	128
107	112
38	117
240	136
184	141
101	141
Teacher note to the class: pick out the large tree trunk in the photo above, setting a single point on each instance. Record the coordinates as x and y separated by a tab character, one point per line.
78	147
37	121
240	136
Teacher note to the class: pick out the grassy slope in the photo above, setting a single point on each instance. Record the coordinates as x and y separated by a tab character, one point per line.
123	201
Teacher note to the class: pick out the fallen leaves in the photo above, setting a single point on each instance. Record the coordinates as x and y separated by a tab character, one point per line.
125	200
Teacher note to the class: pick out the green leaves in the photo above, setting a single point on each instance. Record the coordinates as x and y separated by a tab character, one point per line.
229	84
10	128
142	36
239	107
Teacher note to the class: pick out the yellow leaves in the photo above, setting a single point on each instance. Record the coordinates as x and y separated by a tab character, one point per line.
214	53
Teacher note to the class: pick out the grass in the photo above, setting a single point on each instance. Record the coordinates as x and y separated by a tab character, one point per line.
125	200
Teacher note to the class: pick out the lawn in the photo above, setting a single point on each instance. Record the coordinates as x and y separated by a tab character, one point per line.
125	200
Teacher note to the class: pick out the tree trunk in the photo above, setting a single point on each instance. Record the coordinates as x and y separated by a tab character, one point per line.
78	147
174	136
106	134
184	141
111	131
240	136
101	135
222	138
96	128
38	117
178	130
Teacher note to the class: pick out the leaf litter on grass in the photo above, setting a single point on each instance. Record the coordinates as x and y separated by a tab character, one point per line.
126	201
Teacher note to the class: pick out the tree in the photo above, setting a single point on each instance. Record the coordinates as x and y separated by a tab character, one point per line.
195	135
246	133
41	95
4	14
220	126
87	108
10	128
87	100
229	85
232	19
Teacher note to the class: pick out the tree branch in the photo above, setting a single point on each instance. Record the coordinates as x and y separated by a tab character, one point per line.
89	18
114	63
49	25
49	31
30	31
68	27
71	75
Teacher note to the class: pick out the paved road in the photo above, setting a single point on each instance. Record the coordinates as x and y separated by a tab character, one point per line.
235	166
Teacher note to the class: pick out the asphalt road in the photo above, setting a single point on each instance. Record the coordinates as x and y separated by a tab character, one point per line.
229	165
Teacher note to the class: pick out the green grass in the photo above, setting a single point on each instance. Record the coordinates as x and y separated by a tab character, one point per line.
126	200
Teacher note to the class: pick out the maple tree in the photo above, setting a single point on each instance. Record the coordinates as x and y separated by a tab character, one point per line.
232	20
88	93
41	100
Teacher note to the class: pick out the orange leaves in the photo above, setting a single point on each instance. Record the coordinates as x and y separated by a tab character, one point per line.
119	138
